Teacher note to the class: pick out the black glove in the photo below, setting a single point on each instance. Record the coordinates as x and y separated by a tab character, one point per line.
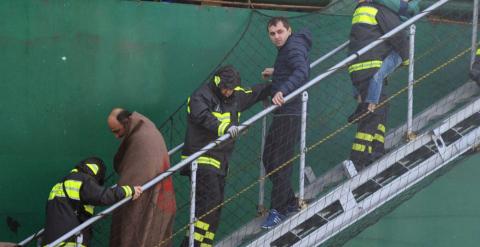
362	108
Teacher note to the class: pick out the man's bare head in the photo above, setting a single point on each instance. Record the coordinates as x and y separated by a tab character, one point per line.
117	121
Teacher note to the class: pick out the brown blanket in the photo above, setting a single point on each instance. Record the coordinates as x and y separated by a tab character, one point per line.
142	155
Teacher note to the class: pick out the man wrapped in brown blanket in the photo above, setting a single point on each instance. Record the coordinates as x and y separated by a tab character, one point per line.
142	155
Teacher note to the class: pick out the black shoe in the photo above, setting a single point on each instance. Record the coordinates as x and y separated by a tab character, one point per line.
362	108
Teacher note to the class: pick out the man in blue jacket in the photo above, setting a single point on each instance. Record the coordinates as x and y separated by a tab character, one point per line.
291	71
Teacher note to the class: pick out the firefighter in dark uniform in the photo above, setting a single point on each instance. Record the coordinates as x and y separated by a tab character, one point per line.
72	201
370	21
214	110
475	71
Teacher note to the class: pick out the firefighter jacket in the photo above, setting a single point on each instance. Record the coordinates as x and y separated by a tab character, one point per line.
370	21
291	69
475	72
210	115
72	201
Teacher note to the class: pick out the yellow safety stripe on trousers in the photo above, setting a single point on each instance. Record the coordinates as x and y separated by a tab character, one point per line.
365	65
188	105
478	51
72	187
365	15
205	160
89	209
361	148
364	136
128	191
205	245
93	167
197	236
379	138
238	88
202	225
57	191
210	235
381	127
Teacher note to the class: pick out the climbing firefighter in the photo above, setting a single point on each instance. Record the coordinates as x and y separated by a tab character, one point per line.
370	21
475	71
72	201
214	110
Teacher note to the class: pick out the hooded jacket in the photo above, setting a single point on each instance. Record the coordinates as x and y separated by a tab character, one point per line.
210	115
292	69
370	21
71	202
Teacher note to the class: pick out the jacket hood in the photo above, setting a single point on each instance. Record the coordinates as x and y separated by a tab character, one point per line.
302	37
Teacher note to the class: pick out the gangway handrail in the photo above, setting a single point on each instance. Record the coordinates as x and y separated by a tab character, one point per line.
255	118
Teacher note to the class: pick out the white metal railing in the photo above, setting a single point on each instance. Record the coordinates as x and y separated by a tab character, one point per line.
265	112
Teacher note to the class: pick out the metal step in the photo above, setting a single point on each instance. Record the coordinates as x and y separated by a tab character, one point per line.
348	199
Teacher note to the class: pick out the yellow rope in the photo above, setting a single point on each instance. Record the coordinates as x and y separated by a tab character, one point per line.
415	83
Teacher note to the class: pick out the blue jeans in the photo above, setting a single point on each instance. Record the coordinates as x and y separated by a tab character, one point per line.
390	63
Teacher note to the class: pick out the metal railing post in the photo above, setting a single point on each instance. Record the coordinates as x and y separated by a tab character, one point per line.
474	31
191	233
261	184
301	193
410	134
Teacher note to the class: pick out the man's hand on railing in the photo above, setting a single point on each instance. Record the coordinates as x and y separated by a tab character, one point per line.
138	192
278	99
233	131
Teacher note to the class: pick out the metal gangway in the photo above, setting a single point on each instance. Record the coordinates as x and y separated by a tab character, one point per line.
404	166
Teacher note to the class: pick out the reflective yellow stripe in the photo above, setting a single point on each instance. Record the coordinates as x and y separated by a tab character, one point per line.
202	225
365	65
74	170
358	147
222	117
379	138
197	236
72	188
217	80
369	150
57	191
206	161
210	235
222	127
364	136
127	190
478	51
381	127
205	245
238	88
94	168
188	105
89	208
69	244
365	15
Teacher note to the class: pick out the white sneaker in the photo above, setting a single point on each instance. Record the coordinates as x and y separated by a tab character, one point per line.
349	168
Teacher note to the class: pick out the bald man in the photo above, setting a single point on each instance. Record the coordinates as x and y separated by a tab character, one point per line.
142	155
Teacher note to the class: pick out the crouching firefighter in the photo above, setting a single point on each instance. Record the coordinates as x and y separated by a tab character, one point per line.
475	71
214	110
370	21
72	201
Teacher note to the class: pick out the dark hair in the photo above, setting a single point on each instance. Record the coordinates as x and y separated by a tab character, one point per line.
275	20
123	116
227	77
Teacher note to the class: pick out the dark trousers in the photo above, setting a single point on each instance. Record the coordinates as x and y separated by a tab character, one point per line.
369	142
209	194
280	145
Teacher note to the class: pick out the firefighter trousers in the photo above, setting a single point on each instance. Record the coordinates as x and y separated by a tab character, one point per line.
209	195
